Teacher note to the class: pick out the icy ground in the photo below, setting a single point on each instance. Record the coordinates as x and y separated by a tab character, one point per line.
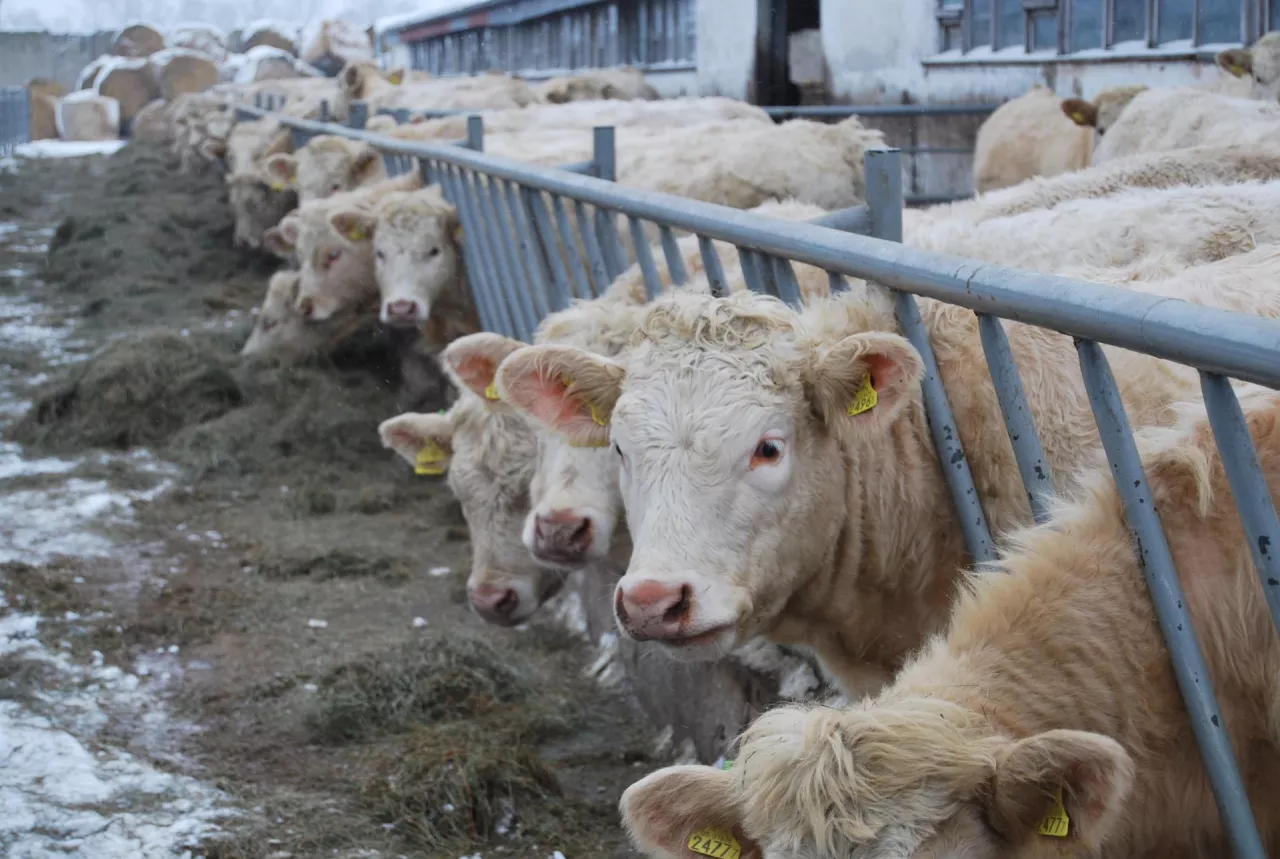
67	787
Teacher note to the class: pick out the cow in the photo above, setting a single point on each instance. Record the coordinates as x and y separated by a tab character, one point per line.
1260	64
1104	110
1025	137
327	165
625	83
1047	720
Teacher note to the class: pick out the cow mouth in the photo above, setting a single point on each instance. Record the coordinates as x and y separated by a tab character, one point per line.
697	639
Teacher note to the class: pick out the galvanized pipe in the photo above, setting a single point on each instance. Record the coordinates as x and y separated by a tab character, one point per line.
595	258
486	289
750	262
529	250
578	272
671	252
652	282
784	279
1170	603
1037	478
506	242
1248	485
712	266
451	185
561	293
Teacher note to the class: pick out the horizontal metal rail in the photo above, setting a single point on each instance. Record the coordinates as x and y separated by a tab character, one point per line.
841	110
1230	344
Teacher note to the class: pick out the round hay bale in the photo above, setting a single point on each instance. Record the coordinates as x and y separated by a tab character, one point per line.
203	38
138	40
265	63
131	84
271	34
179	71
137	391
152	122
334	44
43	95
85	115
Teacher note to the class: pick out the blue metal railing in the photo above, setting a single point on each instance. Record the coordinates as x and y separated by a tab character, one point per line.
511	240
15	118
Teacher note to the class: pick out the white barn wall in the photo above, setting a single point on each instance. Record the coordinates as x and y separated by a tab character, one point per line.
727	46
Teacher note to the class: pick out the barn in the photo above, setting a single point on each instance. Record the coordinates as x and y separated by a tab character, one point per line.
790	52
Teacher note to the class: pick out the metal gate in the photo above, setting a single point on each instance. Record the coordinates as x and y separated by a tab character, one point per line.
520	268
15	118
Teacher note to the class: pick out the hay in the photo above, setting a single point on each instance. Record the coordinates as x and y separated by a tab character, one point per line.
461	677
138	391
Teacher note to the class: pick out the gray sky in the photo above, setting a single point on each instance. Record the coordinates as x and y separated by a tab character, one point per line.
86	16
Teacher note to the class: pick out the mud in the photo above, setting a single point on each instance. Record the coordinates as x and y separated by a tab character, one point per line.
345	700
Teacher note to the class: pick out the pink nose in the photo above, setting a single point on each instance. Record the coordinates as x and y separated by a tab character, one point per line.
654	611
495	604
403	308
561	537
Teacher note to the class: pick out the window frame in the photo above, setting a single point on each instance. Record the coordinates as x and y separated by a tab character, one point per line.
1254	17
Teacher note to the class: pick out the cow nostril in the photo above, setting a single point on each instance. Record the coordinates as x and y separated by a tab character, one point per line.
620	607
582	533
680	609
507	605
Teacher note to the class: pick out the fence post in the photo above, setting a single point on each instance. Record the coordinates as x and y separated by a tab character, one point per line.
358	115
605	161
475	132
324	110
884	200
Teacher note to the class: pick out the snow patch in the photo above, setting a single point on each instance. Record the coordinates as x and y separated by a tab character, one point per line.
288	32
205	38
69	148
161	59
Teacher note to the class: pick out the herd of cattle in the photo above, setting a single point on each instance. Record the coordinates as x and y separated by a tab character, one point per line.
762	470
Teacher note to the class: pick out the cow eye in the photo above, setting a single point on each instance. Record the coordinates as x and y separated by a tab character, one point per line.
380	256
332	256
434	252
767	452
268	324
335	187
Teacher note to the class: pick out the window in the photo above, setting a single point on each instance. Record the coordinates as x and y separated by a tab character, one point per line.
1089	25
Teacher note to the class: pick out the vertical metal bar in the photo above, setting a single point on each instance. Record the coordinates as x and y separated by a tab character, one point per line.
553	247
711	264
476	235
508	244
836	282
573	250
1037	478
1153	23
604	156
1195	23
1248	485
358	115
1170	604
644	256
1108	23
528	247
506	264
451	184
784	280
587	230
750	262
675	260
884	202
475	133
324	110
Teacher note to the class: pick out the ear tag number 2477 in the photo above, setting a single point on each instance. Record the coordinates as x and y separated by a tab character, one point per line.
715	843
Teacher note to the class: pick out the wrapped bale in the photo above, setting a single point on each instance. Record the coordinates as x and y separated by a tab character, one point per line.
44	94
86	115
177	71
130	83
336	43
270	34
138	41
152	122
204	38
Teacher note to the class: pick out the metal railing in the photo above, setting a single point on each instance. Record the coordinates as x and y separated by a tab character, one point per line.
15	118
506	220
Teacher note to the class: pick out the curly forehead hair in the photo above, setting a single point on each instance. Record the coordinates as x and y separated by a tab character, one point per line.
408	210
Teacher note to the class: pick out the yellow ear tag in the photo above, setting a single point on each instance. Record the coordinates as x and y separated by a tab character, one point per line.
1078	117
866	398
715	843
429	459
356	234
395	78
277	185
491	392
1238	70
1056	824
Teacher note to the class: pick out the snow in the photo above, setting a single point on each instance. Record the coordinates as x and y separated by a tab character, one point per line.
337	38
420	12
89	71
288	32
246	68
160	59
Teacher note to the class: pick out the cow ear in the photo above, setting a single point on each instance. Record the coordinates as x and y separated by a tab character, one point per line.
281	144
352	78
282	171
865	380
367	164
213	149
472	362
675	810
282	239
1081	112
1237	61
568	390
1068	786
353	226
423	441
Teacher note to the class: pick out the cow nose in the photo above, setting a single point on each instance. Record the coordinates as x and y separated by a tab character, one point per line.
653	611
495	604
307	308
561	536
403	308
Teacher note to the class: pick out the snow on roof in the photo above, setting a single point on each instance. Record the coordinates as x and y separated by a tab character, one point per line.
433	10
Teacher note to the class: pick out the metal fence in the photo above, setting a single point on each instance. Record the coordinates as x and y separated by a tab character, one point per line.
15	118
521	256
